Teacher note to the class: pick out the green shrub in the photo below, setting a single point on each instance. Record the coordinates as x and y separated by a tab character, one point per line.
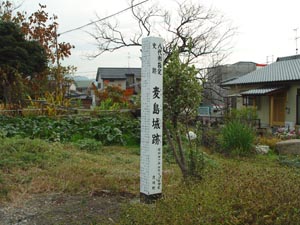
247	115
237	139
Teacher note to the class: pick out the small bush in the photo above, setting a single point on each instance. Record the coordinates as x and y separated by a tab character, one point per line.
237	139
244	115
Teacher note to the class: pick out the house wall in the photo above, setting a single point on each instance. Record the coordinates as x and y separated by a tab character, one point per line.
263	110
263	107
290	113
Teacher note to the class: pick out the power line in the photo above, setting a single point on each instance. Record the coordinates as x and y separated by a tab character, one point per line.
93	22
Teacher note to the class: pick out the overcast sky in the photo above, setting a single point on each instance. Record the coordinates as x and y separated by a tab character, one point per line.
266	29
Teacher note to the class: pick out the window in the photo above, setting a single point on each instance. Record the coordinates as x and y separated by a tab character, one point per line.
249	100
233	102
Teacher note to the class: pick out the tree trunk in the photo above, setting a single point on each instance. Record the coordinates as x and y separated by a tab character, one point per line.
180	160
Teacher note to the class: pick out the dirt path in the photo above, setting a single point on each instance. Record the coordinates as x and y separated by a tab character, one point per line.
62	209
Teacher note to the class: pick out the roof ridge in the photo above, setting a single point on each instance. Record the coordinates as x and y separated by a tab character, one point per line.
288	58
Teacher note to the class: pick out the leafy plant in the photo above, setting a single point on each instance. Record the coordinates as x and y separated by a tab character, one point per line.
237	139
108	129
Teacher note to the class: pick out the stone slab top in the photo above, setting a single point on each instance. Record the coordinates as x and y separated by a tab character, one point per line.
289	141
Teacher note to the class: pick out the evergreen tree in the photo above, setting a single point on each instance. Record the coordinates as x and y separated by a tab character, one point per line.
20	61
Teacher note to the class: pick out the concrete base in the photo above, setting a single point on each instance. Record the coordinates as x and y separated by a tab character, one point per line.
288	147
149	199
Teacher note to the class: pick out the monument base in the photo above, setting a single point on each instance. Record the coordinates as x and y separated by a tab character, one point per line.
149	199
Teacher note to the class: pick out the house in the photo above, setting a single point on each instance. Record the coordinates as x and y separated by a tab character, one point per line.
81	84
214	93
274	90
81	89
121	76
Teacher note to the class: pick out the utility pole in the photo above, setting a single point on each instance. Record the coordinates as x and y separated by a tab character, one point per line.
128	59
296	39
271	60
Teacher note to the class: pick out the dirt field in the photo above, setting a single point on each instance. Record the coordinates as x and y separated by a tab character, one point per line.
62	209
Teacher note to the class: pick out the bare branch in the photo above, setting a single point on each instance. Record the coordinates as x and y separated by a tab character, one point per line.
194	30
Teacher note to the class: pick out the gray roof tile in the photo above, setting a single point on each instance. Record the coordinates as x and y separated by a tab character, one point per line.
284	69
260	91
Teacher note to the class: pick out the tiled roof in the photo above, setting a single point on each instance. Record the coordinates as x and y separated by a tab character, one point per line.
284	69
260	91
117	73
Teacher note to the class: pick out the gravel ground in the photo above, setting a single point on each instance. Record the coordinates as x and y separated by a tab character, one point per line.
61	209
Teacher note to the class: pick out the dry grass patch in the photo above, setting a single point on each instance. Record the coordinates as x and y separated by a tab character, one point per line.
237	191
51	167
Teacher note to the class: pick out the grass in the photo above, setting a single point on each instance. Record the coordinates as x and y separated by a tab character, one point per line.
238	191
36	166
256	190
79	171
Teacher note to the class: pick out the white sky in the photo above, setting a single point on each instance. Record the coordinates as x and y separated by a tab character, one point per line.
265	29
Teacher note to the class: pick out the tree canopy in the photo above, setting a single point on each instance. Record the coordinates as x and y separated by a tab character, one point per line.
29	48
21	60
27	57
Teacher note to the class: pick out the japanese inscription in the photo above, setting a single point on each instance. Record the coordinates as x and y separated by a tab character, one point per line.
151	116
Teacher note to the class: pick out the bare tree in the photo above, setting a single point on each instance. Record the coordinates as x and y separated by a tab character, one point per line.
192	29
193	35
